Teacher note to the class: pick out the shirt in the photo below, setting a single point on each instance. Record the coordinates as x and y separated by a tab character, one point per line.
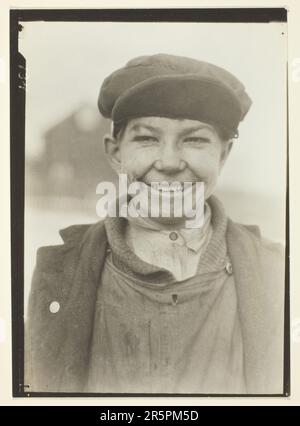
154	334
178	251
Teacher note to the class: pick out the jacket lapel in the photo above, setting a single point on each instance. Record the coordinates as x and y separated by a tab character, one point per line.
79	312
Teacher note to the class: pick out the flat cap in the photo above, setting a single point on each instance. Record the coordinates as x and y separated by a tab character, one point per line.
175	87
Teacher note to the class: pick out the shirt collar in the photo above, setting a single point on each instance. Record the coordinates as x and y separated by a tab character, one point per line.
128	261
192	238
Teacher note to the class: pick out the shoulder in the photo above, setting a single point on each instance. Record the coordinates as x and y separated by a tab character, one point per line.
56	265
257	255
248	239
251	235
53	258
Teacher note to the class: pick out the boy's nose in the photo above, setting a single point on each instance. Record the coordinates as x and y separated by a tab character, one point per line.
170	161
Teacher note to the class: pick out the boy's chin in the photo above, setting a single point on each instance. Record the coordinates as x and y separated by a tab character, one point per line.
170	222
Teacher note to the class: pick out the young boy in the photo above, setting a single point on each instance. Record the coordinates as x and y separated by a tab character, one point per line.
146	304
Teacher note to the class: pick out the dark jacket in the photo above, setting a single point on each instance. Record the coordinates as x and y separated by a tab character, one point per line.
58	344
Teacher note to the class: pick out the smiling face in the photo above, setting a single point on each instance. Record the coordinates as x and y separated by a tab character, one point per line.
159	149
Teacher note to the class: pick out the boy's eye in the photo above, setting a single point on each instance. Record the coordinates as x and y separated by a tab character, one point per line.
197	139
145	138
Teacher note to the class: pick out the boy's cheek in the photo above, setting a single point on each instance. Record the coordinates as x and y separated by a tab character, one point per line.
132	171
204	169
135	164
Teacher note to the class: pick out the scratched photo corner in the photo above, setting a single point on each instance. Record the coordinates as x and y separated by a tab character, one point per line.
155	228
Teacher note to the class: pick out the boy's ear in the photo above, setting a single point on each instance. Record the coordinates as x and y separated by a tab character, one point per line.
225	153
112	150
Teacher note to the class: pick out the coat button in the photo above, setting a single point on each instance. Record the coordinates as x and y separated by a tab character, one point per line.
173	236
228	268
54	307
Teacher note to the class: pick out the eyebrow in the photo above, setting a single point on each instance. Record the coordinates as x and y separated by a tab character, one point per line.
137	127
196	128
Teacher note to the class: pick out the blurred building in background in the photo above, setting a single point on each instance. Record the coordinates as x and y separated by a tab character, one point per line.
73	161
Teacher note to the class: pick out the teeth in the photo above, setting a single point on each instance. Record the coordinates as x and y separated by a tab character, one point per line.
178	187
169	188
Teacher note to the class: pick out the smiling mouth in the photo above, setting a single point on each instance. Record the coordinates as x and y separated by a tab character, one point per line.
167	187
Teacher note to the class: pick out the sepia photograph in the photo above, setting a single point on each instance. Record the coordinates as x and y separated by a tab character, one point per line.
155	207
